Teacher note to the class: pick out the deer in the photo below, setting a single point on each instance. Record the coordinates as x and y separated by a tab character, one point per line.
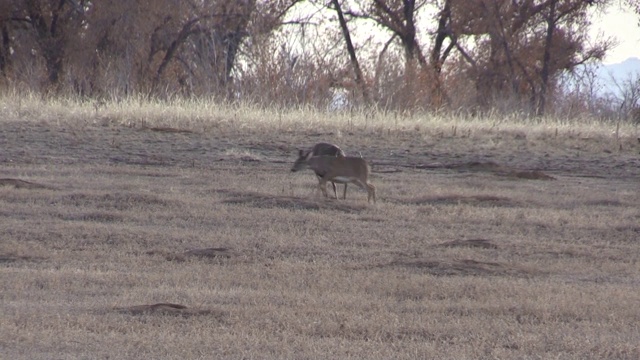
326	149
342	169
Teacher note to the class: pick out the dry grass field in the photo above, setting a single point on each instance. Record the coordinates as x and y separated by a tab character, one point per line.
176	231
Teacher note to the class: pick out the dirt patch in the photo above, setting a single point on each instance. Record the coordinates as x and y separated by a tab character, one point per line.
529	175
478	200
22	184
289	202
472	243
170	309
386	170
488	166
466	267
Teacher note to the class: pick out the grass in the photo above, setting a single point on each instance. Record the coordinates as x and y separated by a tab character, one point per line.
469	253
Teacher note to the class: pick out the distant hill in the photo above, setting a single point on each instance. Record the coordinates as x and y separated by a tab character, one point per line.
612	73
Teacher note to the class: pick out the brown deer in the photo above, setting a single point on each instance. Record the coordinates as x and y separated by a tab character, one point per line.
325	149
341	169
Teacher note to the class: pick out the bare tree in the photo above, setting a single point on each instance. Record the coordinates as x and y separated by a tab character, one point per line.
51	25
555	14
628	96
635	5
521	47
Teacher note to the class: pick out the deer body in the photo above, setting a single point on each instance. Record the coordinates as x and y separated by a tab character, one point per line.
344	169
327	149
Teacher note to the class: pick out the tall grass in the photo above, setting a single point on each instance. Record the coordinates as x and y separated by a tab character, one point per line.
202	114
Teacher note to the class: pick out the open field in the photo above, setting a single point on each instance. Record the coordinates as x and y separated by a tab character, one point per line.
489	240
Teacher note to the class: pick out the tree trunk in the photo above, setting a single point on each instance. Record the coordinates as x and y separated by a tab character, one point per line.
352	53
546	59
185	32
4	50
50	38
438	56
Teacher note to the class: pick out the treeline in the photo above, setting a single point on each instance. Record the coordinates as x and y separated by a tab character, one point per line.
473	56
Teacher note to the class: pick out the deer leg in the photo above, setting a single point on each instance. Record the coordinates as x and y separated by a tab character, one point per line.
323	187
335	193
361	185
371	193
326	178
319	184
344	195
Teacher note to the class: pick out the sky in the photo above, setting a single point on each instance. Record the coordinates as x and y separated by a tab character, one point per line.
622	24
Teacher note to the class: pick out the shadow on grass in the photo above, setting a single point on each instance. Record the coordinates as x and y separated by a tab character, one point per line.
166	129
454	199
294	203
22	184
94	216
11	258
490	167
471	243
170	309
117	200
205	253
502	170
466	267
